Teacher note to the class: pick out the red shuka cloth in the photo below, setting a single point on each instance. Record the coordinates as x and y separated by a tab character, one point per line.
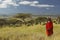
49	28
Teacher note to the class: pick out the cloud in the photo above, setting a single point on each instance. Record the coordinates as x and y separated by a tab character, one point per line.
28	2
35	4
0	0
25	2
3	5
10	2
42	5
6	3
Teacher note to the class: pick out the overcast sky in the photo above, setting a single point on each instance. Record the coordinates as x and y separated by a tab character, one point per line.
30	6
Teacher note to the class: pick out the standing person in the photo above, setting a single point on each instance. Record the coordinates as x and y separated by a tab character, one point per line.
49	27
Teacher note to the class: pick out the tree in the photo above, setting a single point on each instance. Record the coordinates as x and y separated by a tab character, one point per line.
23	16
40	19
2	22
58	19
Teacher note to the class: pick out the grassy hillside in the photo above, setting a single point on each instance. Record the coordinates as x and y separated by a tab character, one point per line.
36	32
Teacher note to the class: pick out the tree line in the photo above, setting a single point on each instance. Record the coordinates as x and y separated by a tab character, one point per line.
19	20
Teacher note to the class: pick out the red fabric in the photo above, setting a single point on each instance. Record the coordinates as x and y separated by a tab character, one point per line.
49	28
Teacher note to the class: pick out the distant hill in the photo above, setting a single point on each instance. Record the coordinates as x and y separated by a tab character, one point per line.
11	14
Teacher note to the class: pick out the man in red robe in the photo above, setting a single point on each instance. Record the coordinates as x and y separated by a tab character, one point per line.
49	27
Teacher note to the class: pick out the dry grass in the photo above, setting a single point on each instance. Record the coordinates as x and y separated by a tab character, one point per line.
36	32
